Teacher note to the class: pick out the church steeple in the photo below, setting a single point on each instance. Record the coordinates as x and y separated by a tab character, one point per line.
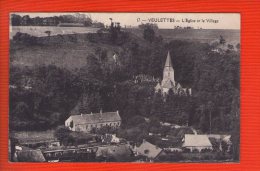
168	81
168	72
168	62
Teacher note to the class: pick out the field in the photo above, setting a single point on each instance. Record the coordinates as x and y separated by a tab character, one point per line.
67	54
39	31
37	135
202	35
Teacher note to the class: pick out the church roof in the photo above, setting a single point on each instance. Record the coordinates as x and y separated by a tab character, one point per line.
96	118
168	62
167	84
158	86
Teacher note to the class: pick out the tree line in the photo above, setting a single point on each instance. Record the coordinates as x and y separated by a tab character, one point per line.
26	20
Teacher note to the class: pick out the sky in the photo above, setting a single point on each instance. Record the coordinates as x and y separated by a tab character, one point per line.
163	20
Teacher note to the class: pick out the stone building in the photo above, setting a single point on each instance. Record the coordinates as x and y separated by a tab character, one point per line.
88	122
169	82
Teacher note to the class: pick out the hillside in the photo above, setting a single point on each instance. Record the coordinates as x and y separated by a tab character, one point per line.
44	93
67	51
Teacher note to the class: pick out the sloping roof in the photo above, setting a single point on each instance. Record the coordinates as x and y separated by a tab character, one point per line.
158	86
149	150
168	62
118	152
194	140
30	156
96	118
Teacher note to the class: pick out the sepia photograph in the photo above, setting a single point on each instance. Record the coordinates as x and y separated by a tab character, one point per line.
124	87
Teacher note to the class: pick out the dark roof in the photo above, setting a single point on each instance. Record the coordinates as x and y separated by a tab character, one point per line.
96	118
119	152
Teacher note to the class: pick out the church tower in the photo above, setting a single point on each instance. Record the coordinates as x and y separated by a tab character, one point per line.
169	82
168	71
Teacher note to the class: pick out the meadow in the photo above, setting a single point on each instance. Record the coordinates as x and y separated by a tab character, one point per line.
201	35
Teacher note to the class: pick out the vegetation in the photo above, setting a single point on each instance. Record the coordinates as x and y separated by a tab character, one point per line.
26	20
45	95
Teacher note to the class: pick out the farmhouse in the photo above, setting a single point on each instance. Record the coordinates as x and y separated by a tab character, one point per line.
195	141
89	122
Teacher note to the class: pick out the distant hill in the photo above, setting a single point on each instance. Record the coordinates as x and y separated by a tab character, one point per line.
202	35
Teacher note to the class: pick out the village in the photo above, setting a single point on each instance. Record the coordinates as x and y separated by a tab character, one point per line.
94	137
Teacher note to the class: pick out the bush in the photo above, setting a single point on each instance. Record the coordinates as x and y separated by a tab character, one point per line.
25	38
62	133
171	157
195	151
205	150
186	150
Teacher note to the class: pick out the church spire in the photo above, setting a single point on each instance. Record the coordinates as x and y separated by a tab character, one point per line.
168	62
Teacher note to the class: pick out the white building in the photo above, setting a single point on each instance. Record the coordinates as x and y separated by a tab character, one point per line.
195	141
88	122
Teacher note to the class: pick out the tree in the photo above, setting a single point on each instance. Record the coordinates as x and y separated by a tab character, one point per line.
148	33
16	20
231	47
210	109
222	41
21	110
238	46
62	133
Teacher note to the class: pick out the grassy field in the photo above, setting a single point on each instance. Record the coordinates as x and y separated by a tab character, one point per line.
66	55
38	135
39	31
202	35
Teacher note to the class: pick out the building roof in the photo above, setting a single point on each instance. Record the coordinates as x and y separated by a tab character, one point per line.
168	84
119	153
168	62
158	86
96	118
30	156
195	140
149	150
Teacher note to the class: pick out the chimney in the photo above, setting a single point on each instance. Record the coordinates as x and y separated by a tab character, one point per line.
91	113
81	114
100	111
117	112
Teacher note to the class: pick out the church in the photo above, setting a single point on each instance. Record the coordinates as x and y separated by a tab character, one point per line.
169	82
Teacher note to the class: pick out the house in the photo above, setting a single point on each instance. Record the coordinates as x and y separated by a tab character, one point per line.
152	152
195	141
30	156
168	82
118	153
93	121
